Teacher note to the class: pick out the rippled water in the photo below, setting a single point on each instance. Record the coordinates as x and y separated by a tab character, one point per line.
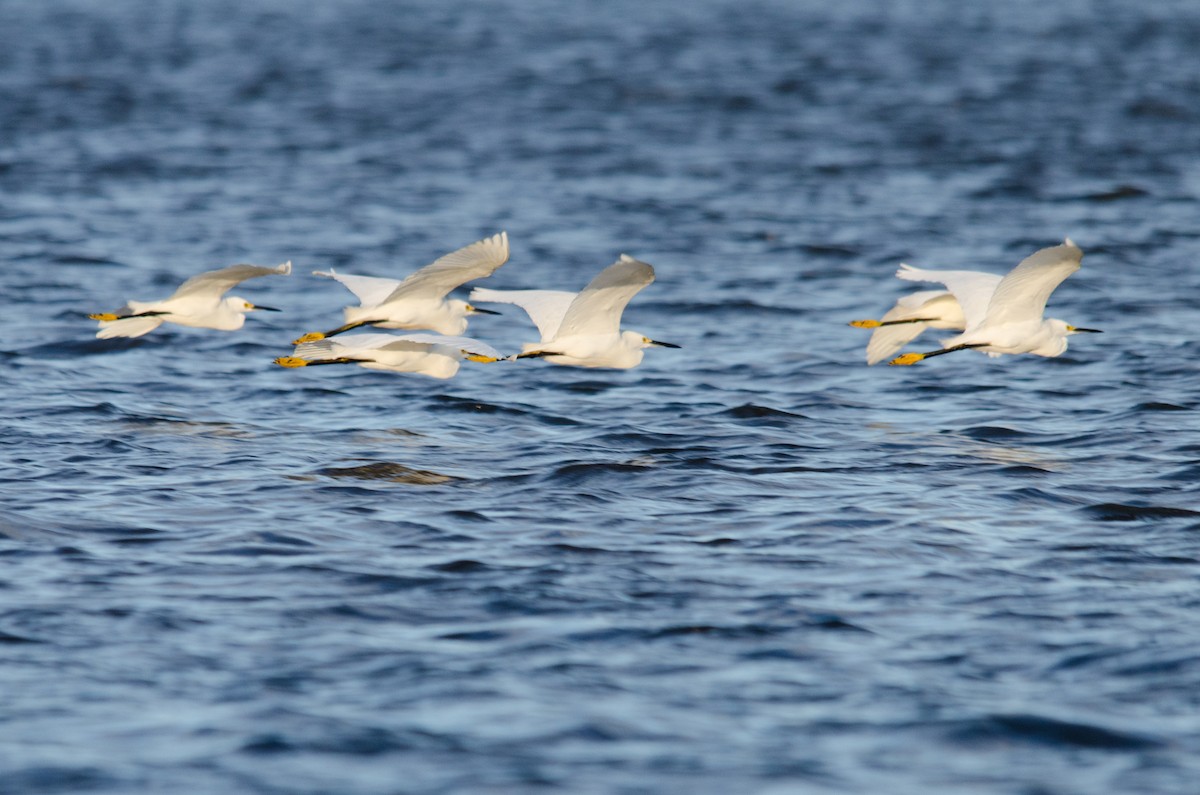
751	565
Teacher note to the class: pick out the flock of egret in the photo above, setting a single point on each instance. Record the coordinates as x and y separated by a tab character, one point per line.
996	314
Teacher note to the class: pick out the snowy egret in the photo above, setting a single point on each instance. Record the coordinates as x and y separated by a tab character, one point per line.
918	311
419	301
197	303
584	329
433	355
1008	317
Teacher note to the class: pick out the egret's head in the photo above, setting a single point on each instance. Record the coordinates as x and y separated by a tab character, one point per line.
241	305
635	339
471	309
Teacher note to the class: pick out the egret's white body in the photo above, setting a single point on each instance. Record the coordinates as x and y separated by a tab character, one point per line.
584	329
1006	317
419	301
198	303
434	355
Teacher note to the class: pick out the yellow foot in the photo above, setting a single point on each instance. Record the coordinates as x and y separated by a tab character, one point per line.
311	336
475	357
104	316
907	359
291	361
866	323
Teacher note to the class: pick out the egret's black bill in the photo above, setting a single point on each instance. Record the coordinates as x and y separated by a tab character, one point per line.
267	308
484	311
1087	330
664	344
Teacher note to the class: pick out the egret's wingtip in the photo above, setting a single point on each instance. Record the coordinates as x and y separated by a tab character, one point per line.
906	359
285	269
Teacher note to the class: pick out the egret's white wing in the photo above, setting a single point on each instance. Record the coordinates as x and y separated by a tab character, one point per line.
887	340
1021	295
316	351
353	345
128	327
465	344
219	282
908	305
545	308
598	307
370	290
458	267
933	304
972	289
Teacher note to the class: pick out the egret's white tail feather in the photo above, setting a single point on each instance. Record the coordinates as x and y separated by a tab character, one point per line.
127	327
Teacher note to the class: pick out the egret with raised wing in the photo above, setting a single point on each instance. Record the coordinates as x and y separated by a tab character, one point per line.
584	329
1007	318
198	303
419	301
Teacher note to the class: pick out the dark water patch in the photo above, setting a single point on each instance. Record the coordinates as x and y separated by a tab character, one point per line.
764	415
370	582
988	433
580	474
56	778
1187	474
478	636
73	349
8	638
255	551
1119	512
1118	193
738	306
1161	665
84	260
461	567
467	405
1039	730
464	515
574	549
587	386
322	736
1160	406
390	472
1025	470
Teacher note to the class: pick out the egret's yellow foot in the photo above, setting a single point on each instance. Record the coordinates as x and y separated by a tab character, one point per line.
104	316
291	361
907	359
475	357
311	336
866	323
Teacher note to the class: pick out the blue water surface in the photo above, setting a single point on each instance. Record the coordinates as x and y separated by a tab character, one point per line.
752	565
